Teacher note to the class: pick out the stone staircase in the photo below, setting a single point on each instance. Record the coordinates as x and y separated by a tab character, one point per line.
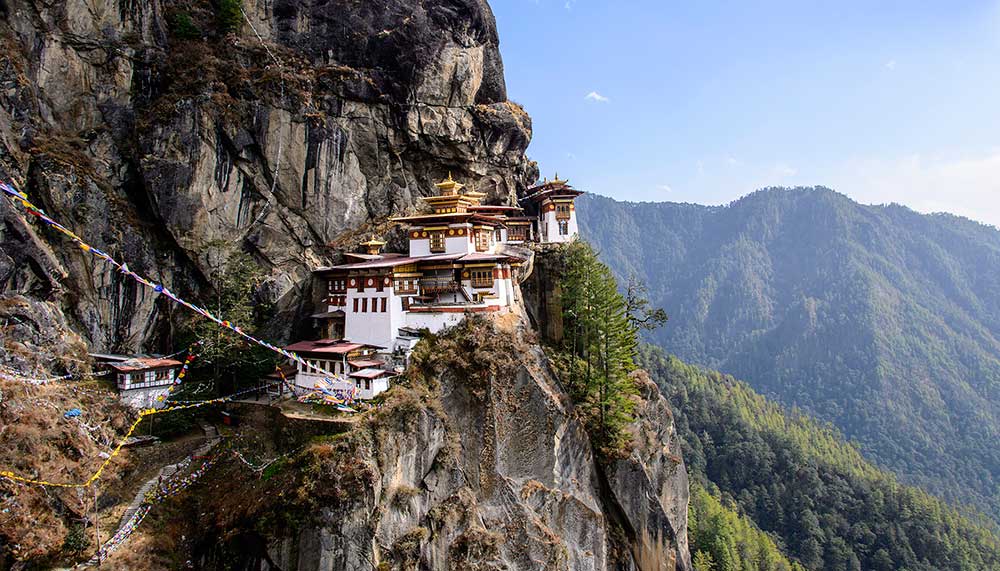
165	473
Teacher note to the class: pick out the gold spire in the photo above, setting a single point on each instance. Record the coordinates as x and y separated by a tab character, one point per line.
374	245
448	186
475	194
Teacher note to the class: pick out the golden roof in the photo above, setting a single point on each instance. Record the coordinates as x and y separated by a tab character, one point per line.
475	195
373	242
449	186
558	181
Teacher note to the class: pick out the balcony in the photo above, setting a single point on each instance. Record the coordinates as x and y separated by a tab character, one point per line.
439	285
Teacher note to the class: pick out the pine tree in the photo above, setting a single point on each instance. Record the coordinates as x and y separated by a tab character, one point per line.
703	561
601	343
234	299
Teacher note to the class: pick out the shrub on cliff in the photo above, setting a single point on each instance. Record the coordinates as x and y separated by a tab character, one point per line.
472	350
229	15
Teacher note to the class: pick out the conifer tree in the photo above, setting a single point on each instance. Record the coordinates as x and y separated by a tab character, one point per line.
234	298
601	343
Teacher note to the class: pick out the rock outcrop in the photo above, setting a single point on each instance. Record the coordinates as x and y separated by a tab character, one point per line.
170	133
478	462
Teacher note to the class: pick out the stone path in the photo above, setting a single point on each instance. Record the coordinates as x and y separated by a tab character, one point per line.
165	473
139	501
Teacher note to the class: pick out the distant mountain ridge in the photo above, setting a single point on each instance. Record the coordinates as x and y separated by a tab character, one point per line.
824	506
879	319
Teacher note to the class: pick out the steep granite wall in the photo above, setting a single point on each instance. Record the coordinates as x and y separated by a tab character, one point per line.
476	462
170	135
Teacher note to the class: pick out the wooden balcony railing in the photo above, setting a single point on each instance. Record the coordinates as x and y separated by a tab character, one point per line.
438	285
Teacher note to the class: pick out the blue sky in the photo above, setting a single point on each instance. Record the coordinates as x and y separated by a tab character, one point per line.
703	101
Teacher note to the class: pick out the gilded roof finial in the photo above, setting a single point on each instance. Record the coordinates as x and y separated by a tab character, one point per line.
448	186
374	245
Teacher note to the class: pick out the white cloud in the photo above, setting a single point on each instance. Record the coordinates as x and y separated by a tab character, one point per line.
890	65
783	170
569	4
733	161
571	156
967	185
664	188
597	97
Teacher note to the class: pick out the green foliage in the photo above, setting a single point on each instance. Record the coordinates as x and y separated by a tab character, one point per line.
599	347
880	320
229	357
722	539
801	482
703	561
275	468
640	312
77	540
173	424
183	27
229	15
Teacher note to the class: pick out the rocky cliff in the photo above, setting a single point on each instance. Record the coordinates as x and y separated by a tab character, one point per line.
476	461
172	132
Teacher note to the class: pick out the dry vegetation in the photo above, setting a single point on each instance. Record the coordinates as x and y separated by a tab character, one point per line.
36	441
473	351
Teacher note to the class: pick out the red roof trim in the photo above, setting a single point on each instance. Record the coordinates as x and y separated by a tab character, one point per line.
326	346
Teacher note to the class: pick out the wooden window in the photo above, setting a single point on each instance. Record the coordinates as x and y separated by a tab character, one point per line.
437	241
562	211
364	305
355	305
516	233
482	278
384	302
563	227
482	240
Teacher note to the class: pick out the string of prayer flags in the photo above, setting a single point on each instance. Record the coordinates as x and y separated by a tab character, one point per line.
165	490
20	377
121	443
182	373
159	288
329	394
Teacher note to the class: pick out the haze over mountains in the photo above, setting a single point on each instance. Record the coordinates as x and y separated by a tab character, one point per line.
878	319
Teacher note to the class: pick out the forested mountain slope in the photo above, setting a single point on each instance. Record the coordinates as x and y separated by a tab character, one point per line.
879	319
800	481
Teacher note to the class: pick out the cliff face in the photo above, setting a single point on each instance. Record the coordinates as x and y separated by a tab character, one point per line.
169	133
475	462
